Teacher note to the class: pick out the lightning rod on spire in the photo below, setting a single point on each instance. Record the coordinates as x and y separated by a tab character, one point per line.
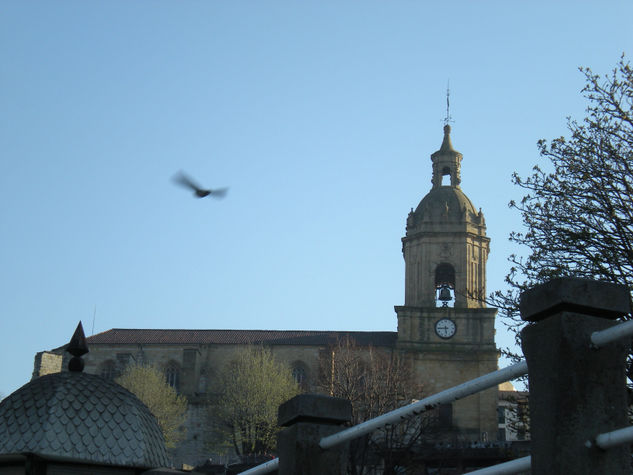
448	118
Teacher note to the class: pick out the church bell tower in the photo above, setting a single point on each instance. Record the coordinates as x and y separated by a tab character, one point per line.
444	323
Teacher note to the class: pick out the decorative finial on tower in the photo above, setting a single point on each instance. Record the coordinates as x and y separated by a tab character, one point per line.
77	347
448	118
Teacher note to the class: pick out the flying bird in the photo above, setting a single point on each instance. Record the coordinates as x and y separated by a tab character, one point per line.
182	179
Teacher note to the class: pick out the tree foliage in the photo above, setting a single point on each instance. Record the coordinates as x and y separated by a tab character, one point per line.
376	382
251	388
148	384
578	208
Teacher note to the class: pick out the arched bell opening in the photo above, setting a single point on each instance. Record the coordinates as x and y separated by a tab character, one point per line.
444	285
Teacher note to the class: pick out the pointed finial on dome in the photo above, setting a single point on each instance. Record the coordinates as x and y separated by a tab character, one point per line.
447	146
77	347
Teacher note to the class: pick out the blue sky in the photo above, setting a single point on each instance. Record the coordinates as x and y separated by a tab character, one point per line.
319	115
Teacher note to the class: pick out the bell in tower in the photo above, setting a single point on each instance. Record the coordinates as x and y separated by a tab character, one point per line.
445	295
444	321
444	283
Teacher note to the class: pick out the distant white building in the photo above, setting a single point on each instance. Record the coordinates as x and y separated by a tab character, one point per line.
512	414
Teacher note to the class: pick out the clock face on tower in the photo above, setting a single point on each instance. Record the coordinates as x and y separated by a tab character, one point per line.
445	328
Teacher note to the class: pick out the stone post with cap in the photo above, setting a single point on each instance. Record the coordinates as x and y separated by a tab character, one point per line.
576	391
308	418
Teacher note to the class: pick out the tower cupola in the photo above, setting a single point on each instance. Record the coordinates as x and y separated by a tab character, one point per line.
446	162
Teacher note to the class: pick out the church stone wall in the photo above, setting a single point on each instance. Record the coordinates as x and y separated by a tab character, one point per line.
47	362
199	364
474	417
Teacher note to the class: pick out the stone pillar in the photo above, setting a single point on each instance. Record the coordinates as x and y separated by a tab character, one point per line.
576	392
308	418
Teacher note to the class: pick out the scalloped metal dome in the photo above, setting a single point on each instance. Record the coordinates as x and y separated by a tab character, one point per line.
83	417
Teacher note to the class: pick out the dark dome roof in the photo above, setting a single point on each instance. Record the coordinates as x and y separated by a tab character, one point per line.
84	417
442	202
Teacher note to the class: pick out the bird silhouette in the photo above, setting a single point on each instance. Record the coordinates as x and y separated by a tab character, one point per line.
182	179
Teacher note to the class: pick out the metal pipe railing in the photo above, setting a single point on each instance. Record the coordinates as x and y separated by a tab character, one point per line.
506	468
457	392
614	438
604	441
603	337
465	389
267	467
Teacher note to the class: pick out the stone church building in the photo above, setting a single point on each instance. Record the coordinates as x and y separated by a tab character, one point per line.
444	325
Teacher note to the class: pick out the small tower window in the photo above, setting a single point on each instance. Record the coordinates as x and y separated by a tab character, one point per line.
446	176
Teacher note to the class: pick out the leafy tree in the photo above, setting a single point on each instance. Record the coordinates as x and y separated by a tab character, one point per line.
251	388
376	382
148	384
578	209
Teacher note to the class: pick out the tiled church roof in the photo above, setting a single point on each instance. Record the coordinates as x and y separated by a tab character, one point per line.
237	337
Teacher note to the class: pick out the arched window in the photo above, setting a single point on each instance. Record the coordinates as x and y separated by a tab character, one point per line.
202	382
444	275
299	375
107	370
172	374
